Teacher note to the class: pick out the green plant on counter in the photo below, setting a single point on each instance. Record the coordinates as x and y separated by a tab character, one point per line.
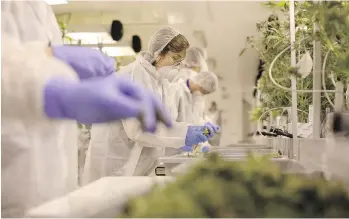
333	34
256	188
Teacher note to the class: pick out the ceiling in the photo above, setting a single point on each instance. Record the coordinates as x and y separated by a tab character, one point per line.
133	12
138	17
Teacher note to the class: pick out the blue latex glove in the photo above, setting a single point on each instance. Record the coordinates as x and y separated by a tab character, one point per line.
195	135
212	129
101	100
186	148
205	149
87	62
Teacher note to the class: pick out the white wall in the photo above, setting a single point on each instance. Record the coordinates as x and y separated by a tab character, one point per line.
226	26
234	21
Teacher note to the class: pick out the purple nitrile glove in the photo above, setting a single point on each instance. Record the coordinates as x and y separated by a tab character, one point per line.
87	62
205	149
195	135
186	148
102	100
212	129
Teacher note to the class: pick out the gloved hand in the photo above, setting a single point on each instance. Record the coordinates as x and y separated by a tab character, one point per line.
186	148
205	149
195	135
87	62
212	129
101	100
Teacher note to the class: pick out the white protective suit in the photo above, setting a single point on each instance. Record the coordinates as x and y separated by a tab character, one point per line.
190	107
195	57
121	148
38	155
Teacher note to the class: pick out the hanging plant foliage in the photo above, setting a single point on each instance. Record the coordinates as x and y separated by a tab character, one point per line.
274	36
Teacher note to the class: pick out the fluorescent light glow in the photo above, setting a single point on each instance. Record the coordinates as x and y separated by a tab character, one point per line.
92	37
119	51
56	2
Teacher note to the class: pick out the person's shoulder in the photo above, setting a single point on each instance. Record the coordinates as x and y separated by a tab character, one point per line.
183	74
125	70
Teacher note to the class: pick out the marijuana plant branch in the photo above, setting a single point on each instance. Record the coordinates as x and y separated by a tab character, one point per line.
323	79
286	88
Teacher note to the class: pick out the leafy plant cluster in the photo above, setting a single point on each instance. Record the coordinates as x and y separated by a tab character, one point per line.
332	31
63	28
256	188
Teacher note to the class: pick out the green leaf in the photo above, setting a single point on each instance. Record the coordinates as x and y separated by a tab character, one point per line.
242	51
281	3
333	22
68	38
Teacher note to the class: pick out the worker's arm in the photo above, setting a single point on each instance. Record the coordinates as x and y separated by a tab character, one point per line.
8	22
173	98
164	137
207	119
53	27
180	111
181	75
25	70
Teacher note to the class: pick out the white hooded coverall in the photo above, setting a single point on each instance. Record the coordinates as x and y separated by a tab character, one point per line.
38	155
112	144
190	107
121	148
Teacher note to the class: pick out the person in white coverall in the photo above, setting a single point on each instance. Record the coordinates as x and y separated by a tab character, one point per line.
191	102
42	98
193	92
193	64
188	102
119	149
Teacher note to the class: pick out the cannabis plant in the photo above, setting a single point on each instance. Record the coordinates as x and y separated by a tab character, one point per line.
253	189
332	32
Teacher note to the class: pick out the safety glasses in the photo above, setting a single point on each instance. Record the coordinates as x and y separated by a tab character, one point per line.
177	58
